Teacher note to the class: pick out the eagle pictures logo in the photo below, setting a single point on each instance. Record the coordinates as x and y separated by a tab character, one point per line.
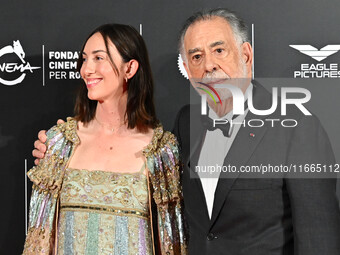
319	70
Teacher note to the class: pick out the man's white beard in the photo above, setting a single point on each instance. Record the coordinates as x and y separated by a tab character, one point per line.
220	77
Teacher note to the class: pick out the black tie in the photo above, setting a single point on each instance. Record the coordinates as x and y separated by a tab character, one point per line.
209	125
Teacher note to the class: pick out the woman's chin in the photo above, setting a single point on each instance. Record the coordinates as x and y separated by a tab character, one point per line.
92	96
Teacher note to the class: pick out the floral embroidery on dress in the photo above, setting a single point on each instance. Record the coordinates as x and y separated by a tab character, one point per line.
114	214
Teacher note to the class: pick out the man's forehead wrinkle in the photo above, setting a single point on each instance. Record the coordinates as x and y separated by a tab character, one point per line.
214	44
194	50
211	45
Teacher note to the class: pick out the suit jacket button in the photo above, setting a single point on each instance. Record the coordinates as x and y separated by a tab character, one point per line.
210	237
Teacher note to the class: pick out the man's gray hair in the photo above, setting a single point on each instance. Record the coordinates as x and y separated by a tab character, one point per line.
239	28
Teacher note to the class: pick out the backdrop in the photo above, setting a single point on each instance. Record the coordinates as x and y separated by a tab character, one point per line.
39	45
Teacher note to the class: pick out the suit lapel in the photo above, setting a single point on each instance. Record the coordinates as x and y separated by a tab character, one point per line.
197	136
241	150
243	147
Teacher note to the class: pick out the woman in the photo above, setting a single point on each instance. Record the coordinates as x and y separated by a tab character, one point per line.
104	169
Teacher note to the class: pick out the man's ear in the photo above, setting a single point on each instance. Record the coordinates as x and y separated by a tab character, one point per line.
247	54
131	68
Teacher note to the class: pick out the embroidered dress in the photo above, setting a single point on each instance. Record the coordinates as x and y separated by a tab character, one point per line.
163	170
104	213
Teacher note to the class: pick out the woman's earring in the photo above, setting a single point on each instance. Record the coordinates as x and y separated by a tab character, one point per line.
126	79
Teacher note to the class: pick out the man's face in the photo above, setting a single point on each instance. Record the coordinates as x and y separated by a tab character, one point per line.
213	54
214	57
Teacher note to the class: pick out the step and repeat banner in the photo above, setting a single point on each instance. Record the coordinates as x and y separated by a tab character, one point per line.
295	43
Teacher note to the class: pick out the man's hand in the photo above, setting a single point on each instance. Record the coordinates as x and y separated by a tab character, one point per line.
39	145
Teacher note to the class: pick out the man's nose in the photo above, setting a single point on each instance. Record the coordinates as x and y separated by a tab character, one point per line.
210	64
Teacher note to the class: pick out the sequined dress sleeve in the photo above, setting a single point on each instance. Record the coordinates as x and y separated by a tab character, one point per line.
163	161
47	179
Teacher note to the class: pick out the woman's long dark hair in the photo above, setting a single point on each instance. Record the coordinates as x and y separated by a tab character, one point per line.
140	109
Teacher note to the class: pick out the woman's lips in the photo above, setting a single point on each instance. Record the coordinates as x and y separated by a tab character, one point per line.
92	82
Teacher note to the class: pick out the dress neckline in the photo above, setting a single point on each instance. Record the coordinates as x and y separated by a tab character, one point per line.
140	172
73	136
157	133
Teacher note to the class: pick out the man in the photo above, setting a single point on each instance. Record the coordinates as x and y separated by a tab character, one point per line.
235	215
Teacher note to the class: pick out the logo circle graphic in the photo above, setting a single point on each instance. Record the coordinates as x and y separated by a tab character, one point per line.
181	66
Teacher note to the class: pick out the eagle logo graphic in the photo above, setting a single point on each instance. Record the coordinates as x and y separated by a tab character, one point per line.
316	54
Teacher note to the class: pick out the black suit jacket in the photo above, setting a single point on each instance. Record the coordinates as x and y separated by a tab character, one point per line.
262	216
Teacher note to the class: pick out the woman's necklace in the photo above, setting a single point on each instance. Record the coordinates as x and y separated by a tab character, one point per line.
108	126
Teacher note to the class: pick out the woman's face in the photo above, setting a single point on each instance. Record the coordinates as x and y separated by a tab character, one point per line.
102	82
